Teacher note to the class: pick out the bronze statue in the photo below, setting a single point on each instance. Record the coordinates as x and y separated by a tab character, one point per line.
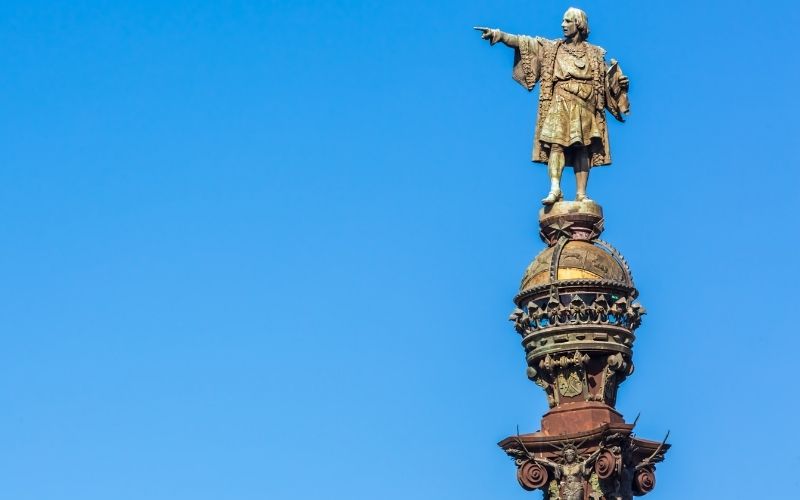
571	474
576	310
577	86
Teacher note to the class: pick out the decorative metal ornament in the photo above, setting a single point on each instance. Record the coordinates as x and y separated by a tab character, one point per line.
569	385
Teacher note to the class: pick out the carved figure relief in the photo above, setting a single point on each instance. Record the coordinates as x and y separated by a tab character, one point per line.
571	473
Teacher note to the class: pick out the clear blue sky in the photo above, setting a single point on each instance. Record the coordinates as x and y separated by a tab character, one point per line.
266	250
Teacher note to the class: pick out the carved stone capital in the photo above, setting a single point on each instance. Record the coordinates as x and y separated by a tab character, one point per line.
609	462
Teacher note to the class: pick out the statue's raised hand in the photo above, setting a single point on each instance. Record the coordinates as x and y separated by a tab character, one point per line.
486	33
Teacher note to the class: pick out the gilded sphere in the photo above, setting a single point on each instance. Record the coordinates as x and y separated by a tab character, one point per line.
579	260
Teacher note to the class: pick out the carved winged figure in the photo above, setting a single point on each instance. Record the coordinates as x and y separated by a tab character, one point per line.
571	474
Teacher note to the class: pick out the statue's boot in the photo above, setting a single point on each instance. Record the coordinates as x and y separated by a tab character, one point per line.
552	197
582	197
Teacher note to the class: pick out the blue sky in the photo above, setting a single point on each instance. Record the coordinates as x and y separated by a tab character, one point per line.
263	250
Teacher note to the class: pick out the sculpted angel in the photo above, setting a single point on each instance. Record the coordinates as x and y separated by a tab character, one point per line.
571	474
577	87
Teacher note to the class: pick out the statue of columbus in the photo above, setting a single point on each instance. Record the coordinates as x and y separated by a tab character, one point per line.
577	86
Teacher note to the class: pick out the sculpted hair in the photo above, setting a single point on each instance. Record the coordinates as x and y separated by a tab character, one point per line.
581	19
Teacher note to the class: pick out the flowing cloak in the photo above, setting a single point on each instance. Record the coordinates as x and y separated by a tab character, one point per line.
572	99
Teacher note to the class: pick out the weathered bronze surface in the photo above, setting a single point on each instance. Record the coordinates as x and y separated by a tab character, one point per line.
577	86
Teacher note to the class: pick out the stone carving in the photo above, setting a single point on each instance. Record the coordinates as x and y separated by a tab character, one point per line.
569	383
616	370
644	481
633	479
564	376
571	473
605	465
614	470
577	86
532	476
594	377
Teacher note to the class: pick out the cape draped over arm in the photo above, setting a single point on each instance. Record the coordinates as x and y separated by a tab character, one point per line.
616	98
528	60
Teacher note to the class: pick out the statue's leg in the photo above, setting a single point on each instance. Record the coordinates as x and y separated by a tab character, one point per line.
581	166
555	165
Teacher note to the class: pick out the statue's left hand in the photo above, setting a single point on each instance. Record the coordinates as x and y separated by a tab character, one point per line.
624	82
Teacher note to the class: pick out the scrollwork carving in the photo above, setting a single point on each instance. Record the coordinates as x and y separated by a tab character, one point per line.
644	480
532	476
606	465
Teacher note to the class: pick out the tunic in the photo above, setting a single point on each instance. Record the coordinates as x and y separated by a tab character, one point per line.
574	95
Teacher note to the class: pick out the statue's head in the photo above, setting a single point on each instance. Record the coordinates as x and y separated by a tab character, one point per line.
575	23
569	455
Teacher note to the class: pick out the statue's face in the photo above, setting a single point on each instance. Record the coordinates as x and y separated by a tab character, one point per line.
569	26
569	455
